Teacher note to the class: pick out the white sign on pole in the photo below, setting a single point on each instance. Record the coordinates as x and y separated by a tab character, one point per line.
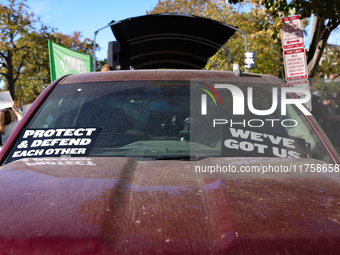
292	33
250	59
294	55
5	100
304	84
295	64
299	84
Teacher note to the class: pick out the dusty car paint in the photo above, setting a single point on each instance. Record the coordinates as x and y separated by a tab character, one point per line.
124	206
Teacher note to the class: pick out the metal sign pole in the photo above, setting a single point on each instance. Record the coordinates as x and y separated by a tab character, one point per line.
245	48
94	45
246	40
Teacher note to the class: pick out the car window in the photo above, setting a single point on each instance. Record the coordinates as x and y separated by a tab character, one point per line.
154	120
259	135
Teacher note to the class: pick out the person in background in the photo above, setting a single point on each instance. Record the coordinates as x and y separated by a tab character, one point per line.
328	102
317	107
7	123
17	115
317	95
336	110
322	112
336	98
335	118
107	68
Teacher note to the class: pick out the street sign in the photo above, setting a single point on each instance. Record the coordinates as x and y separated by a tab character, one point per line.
301	84
294	55
292	33
295	64
250	59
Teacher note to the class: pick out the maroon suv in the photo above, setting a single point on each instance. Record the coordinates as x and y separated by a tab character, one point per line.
126	162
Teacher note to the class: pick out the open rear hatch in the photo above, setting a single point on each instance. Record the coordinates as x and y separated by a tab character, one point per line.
167	41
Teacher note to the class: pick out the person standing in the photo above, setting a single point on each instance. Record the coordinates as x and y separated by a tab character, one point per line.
328	102
7	123
317	107
335	118
336	98
326	114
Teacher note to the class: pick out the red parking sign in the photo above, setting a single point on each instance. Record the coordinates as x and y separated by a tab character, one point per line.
292	33
295	64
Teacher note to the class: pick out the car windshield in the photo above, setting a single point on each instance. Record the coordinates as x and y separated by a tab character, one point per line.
159	120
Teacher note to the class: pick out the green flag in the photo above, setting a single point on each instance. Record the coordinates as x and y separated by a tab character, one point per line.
64	61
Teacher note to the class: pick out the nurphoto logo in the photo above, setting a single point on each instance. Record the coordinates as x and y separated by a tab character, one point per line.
239	101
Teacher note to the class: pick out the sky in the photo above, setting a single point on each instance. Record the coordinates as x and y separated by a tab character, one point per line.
88	16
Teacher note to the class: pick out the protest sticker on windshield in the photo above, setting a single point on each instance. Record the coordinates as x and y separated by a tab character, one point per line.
74	142
238	142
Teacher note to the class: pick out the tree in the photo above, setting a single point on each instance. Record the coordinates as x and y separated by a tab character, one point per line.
191	7
15	22
330	64
326	19
24	58
268	47
35	75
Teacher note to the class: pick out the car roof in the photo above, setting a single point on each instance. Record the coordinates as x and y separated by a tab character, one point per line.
166	74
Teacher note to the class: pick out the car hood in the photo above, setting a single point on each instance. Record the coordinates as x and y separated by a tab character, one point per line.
125	206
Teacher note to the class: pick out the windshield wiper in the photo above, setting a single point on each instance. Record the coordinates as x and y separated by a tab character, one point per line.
185	158
171	157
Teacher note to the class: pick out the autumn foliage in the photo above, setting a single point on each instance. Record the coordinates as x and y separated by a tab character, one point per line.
24	59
